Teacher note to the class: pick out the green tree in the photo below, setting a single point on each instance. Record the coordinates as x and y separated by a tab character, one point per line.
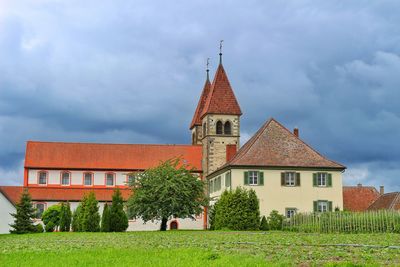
211	217
237	210
118	218
65	217
52	217
23	222
105	219
168	190
275	220
264	224
76	224
90	217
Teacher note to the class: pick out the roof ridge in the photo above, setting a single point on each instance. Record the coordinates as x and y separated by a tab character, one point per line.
88	143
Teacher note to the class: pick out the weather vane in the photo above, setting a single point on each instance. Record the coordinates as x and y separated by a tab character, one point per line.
220	51
208	62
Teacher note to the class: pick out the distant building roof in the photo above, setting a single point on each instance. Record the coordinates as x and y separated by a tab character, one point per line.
359	198
59	155
388	201
13	193
221	98
275	146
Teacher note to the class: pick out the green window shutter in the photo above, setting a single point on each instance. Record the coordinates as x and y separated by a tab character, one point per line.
261	182
314	179
315	206
297	179
329	179
246	178
330	205
282	179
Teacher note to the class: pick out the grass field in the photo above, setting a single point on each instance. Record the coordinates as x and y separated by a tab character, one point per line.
199	248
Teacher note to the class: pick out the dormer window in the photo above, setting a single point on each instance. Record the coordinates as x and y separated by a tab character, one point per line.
227	128
219	127
42	179
65	178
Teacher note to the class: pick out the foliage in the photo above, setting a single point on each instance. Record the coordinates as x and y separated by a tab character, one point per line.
76	224
105	219
168	190
275	220
346	222
89	214
199	248
50	226
65	217
52	215
118	218
39	228
264	224
237	210
211	216
23	222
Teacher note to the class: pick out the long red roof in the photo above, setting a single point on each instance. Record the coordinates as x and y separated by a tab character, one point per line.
359	198
107	156
13	193
221	99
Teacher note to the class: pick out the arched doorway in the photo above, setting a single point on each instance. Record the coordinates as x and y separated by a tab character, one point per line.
173	225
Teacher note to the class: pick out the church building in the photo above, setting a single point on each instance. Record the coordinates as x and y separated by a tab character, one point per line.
287	174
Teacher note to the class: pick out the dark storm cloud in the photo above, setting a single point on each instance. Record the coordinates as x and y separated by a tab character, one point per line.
120	71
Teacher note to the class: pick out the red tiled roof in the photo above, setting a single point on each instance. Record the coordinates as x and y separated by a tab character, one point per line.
13	193
389	201
275	146
196	121
107	156
221	99
359	198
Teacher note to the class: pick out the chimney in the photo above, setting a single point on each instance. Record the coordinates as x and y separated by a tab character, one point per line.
230	152
296	131
381	190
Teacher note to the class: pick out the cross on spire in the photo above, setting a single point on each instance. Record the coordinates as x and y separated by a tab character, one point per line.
220	51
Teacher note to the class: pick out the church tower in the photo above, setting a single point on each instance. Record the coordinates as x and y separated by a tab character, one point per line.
220	121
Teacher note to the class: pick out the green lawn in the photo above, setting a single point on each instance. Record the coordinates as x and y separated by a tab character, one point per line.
198	248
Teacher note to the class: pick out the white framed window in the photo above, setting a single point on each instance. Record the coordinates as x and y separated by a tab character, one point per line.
42	179
65	178
40	207
131	178
290	178
322	206
321	179
253	177
290	212
88	178
110	179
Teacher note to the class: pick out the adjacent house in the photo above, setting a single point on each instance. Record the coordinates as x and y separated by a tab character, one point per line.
359	197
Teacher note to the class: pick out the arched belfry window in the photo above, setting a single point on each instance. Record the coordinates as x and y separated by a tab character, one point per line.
219	127
204	129
227	128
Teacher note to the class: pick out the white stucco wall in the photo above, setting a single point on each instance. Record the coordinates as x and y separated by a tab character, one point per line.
5	218
273	196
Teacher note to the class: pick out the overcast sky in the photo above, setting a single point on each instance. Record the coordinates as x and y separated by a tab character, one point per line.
132	72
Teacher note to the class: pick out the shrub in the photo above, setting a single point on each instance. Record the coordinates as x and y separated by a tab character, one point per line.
118	218
237	210
52	215
39	228
23	222
89	214
212	217
75	219
264	224
65	217
50	226
105	219
275	220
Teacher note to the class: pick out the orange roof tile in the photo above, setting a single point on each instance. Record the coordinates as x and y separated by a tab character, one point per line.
13	193
196	121
275	146
221	99
388	201
359	198
107	156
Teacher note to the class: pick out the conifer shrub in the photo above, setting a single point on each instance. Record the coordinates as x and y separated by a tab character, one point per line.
39	228
23	218
264	224
52	216
105	219
89	214
237	210
275	220
75	219
50	227
118	217
65	217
